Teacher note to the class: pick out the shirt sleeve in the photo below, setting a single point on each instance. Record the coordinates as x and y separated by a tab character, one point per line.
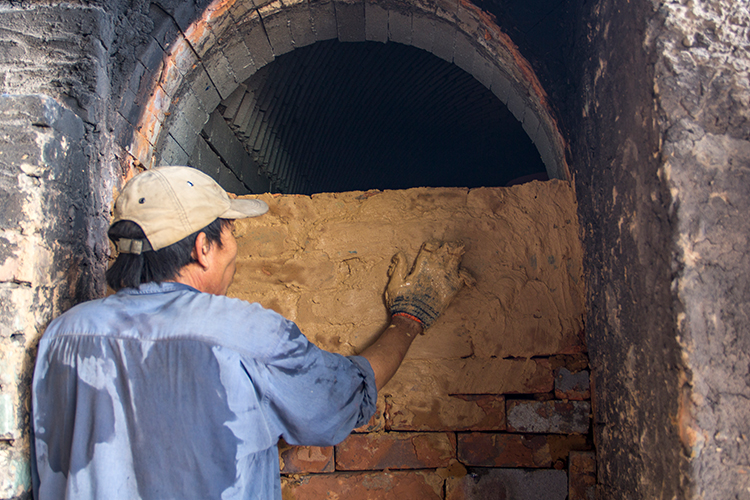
315	397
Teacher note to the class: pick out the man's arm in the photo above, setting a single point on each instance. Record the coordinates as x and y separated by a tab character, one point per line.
386	354
415	299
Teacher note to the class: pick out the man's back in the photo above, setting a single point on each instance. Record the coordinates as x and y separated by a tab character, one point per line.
176	391
166	392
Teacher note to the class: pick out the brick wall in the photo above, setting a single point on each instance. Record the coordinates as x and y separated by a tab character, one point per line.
495	397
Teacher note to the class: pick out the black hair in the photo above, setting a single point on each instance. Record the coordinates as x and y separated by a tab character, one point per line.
131	270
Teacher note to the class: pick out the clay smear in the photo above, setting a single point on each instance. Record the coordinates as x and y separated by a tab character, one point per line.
322	261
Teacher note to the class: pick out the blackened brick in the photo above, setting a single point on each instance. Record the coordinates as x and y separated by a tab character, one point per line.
575	386
581	476
503	450
548	416
513	484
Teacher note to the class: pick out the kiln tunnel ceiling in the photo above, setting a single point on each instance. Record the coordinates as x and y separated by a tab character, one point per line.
338	116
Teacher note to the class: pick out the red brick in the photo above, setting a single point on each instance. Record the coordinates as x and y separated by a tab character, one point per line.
581	475
503	450
413	485
485	412
560	445
396	450
550	417
298	459
473	376
141	149
498	376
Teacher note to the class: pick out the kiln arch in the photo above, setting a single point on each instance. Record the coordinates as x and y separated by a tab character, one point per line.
232	39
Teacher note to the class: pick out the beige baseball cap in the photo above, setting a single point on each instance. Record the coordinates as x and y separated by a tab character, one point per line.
171	203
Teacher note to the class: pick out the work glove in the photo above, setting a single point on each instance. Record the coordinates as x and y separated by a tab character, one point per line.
425	292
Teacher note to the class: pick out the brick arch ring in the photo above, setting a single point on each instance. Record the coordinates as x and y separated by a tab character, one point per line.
231	39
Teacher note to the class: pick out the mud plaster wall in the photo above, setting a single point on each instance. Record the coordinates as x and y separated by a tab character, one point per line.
322	261
660	149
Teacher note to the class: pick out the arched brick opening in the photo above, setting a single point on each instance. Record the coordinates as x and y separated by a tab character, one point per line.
335	116
208	63
231	40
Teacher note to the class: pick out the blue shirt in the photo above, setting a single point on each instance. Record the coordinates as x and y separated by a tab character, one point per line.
166	392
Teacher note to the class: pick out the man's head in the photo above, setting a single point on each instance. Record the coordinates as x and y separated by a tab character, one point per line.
166	220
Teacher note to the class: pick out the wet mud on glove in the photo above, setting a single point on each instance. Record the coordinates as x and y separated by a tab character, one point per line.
425	291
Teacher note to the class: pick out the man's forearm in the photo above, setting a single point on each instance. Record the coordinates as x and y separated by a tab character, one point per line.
386	354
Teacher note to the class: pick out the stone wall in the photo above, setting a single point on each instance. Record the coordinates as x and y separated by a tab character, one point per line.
501	381
57	176
52	252
626	226
702	87
660	150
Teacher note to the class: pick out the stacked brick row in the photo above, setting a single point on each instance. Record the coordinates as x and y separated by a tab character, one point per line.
496	395
527	448
248	112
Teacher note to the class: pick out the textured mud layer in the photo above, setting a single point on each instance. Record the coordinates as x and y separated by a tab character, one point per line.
322	261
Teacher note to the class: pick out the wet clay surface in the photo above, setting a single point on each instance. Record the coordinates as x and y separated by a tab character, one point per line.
322	261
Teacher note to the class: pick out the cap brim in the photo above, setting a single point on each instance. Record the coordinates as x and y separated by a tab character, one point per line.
240	209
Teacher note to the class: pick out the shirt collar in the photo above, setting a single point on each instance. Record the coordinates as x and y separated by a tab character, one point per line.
154	287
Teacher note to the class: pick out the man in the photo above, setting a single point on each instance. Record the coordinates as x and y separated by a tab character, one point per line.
170	389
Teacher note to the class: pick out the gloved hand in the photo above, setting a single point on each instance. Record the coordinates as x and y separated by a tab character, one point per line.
425	292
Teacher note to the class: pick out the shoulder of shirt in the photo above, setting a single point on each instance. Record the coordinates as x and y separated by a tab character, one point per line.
89	317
